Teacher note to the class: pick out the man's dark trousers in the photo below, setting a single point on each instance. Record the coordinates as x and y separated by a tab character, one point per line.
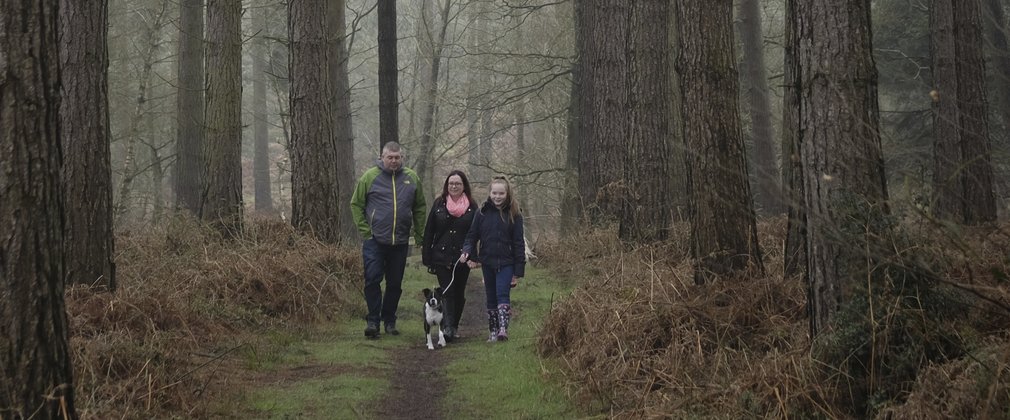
383	260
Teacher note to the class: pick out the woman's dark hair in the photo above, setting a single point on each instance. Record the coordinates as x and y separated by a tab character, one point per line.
462	177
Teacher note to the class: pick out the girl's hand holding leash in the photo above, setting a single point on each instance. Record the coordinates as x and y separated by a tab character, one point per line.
463	257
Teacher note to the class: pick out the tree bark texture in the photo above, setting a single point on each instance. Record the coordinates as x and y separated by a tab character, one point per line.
315	194
87	167
646	213
792	168
767	194
962	156
843	171
389	99
605	107
679	201
999	55
221	200
261	141
723	229
571	204
343	128
187	178
36	376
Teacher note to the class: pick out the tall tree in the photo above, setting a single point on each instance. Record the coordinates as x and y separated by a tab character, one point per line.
261	141
151	42
314	190
87	167
994	17
389	99
767	196
843	171
962	167
605	106
792	170
36	375
343	128
571	205
646	214
188	174
221	200
425	160
723	229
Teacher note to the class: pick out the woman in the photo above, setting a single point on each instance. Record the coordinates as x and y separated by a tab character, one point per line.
497	235
448	223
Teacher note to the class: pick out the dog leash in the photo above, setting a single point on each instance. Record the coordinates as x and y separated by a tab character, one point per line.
451	279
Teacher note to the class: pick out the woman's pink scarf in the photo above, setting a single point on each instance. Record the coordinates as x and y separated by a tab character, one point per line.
457	208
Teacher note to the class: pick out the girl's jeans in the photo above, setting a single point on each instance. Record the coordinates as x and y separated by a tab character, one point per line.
497	285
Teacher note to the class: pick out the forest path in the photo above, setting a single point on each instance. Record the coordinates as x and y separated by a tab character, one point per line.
338	373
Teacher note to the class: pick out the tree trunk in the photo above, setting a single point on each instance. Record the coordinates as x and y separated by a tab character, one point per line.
343	129
678	153
188	173
792	170
133	131
646	213
36	375
571	201
314	191
261	141
767	197
389	99
221	200
87	167
157	181
962	168
843	172
605	111
723	230
999	57
425	160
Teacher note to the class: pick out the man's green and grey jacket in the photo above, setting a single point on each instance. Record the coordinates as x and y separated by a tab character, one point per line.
387	204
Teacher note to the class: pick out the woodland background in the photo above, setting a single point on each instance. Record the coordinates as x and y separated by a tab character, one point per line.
799	205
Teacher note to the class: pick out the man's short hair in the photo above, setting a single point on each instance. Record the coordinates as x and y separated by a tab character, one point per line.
391	147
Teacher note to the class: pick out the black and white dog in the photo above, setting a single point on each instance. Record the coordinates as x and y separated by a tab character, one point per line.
433	315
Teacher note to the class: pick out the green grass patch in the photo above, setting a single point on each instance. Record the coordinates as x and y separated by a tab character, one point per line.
508	380
344	396
334	373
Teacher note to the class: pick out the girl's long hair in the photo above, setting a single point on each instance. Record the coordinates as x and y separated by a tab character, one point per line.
510	200
462	177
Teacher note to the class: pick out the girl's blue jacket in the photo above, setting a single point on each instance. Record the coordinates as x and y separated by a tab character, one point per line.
501	241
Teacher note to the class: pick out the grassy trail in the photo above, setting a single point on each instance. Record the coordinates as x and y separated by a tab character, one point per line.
334	372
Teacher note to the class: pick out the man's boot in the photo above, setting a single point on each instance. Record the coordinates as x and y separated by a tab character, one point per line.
372	329
492	325
504	313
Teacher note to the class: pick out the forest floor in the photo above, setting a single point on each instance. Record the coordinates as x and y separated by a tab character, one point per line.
334	372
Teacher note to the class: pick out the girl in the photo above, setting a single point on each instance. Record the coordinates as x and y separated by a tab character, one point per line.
448	223
498	229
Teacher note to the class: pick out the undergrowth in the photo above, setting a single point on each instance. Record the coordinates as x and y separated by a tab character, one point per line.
638	336
183	299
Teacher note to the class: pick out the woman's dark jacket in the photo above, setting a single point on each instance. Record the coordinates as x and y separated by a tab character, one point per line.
444	234
501	241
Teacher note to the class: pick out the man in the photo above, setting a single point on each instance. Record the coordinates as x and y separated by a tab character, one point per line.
387	202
